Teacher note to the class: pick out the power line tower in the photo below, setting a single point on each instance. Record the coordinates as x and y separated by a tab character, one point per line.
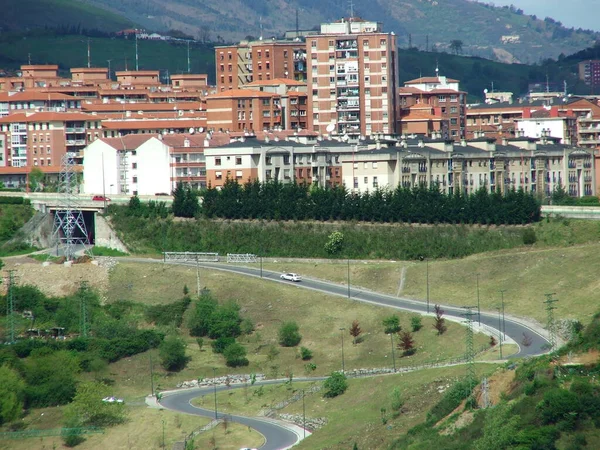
69	225
10	318
469	349
550	318
83	312
485	393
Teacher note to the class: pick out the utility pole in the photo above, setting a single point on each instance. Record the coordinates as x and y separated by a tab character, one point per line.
108	61
10	318
198	276
550	318
89	54
502	291
469	350
261	275
136	52
478	307
348	278
393	354
343	363
188	57
151	375
215	386
500	332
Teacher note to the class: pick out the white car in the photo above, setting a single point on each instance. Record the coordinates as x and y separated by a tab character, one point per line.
290	277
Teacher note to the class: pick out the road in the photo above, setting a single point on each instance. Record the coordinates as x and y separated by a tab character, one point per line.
278	437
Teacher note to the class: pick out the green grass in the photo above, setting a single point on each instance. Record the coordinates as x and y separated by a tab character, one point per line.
269	305
71	51
105	251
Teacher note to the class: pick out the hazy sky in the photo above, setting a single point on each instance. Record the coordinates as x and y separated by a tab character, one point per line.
572	13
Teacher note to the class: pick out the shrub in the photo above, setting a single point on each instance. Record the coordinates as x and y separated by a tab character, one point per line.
169	314
335	385
439	323
391	324
355	331
50	377
306	354
334	243
247	326
416	323
529	236
557	405
220	344
172	354
407	343
235	355
450	401
397	402
289	335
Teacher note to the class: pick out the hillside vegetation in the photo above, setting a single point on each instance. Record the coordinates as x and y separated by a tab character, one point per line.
20	15
438	22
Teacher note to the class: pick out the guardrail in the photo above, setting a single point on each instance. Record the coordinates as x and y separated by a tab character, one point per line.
191	256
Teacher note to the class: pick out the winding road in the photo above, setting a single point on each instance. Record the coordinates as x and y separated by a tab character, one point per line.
278	437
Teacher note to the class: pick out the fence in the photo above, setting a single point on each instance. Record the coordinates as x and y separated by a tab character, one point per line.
241	258
191	256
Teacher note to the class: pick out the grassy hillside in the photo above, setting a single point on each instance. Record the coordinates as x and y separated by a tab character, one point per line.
439	22
71	51
29	14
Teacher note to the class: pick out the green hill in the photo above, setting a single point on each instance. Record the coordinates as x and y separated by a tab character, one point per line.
29	14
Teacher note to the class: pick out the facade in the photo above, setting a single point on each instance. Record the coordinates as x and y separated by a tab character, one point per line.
439	97
353	78
15	102
243	110
262	60
538	167
589	72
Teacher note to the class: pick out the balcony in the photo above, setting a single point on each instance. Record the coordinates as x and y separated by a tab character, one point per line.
75	130
72	142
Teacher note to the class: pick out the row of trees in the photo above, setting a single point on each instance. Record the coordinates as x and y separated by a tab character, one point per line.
291	201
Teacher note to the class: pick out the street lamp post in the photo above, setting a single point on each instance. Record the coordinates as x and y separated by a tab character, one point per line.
215	386
151	375
500	332
393	354
503	320
261	266
478	307
423	258
348	278
343	363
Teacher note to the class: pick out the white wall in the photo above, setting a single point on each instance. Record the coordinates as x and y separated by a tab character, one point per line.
93	157
534	127
153	168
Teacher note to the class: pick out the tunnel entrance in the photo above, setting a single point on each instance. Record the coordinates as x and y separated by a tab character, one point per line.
89	219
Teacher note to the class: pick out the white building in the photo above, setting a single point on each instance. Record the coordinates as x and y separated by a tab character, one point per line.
136	164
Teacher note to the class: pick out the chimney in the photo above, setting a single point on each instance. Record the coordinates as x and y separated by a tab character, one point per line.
186	142
463	143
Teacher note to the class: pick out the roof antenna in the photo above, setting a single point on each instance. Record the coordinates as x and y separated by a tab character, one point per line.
437	69
297	24
352	9
261	29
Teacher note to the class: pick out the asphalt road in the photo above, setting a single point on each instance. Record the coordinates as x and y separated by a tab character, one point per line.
278	437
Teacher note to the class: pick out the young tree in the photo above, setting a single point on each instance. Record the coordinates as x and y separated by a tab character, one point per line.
407	343
335	385
172	354
355	331
235	355
391	324
289	336
416	323
36	178
439	323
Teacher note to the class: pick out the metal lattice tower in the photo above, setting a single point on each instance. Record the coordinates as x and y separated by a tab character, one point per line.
10	318
485	393
69	226
469	349
550	319
83	314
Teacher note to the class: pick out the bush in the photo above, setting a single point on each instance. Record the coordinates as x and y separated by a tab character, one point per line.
306	354
334	243
51	378
529	236
247	326
397	402
416	323
220	344
169	314
235	355
335	385
289	335
450	401
172	354
391	324
557	405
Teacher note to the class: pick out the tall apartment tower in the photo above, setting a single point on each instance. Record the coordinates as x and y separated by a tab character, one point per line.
352	71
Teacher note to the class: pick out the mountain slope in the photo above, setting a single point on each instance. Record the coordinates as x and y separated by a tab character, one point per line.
28	14
424	23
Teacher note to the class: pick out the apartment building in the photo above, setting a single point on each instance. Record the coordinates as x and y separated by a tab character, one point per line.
353	75
32	101
589	72
32	76
243	110
189	81
90	75
248	61
537	166
439	97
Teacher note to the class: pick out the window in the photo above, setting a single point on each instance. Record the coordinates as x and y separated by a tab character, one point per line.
134	179
134	165
218	175
453	121
374	165
382	42
355	182
238	160
268	160
365	165
453	109
266	53
217	162
366	180
238	174
48	151
313	44
375	182
367	79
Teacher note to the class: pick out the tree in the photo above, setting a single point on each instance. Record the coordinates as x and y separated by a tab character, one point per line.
335	385
12	394
36	177
456	46
334	244
439	323
407	343
355	331
89	410
305	353
289	335
391	324
51	378
416	323
172	354
235	355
